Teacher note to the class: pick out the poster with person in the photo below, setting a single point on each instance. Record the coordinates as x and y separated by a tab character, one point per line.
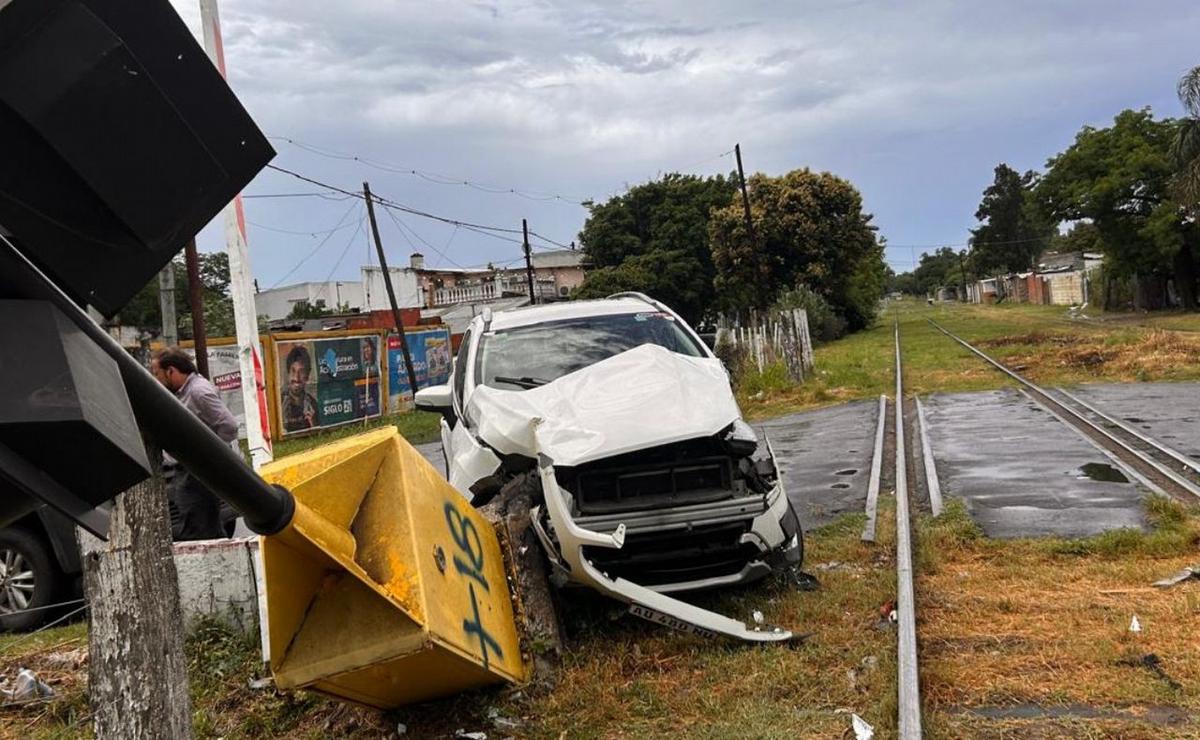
430	351
327	382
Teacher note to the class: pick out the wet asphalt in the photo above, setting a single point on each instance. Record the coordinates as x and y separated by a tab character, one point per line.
1020	472
1167	412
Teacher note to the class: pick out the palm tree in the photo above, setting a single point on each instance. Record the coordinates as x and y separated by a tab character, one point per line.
1186	147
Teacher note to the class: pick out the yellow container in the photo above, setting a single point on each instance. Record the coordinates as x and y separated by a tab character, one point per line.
387	588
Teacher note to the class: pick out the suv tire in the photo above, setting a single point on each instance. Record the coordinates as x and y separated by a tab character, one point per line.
27	573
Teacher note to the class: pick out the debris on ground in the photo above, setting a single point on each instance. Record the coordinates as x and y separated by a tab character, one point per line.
462	734
862	730
261	683
500	720
28	687
887	615
1134	625
1183	575
804	581
1153	663
864	668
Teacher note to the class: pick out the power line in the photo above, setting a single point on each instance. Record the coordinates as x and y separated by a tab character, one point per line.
329	234
433	177
402	226
338	264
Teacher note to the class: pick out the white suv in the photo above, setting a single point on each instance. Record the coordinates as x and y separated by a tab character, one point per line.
649	480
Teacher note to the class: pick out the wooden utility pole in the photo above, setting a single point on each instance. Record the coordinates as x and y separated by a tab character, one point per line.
528	260
196	299
137	673
387	282
166	304
737	150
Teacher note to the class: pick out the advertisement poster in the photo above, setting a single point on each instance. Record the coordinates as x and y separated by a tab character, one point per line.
326	382
430	350
227	377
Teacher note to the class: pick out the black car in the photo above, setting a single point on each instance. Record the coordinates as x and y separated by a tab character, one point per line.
39	565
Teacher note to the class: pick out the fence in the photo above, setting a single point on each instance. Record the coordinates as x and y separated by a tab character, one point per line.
777	336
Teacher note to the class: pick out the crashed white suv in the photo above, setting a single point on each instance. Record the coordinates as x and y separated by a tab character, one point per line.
650	480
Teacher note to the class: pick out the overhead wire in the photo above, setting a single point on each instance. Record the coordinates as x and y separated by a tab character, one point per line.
328	235
341	257
433	177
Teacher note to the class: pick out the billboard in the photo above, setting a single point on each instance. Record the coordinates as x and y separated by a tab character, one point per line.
430	350
326	382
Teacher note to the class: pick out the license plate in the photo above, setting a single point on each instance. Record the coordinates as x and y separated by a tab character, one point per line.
666	620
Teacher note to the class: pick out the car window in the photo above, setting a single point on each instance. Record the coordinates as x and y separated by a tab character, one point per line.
541	353
460	367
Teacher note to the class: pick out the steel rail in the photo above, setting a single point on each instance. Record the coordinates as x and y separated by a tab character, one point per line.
1149	462
909	686
868	533
931	476
1168	451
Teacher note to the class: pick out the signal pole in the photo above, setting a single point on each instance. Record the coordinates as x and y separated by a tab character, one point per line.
254	399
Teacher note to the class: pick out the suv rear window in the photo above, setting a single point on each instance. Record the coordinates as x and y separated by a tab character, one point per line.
540	353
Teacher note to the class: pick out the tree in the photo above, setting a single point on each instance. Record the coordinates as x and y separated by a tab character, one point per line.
144	312
1013	233
654	239
937	270
1120	179
1185	149
809	229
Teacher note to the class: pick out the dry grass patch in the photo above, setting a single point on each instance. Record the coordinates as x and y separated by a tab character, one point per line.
1046	623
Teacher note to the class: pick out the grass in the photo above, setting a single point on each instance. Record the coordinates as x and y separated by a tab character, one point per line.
1040	342
1044	622
417	427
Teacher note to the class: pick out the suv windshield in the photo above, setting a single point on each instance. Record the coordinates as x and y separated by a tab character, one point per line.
529	356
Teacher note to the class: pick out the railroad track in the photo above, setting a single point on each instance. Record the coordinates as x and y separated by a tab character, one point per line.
908	684
1156	466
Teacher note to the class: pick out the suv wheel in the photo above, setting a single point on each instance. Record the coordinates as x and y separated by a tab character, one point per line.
28	580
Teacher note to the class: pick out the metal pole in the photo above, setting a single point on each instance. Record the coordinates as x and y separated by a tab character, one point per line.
387	283
528	261
266	508
166	304
196	298
254	400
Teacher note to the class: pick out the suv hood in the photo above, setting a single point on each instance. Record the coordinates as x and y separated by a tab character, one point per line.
644	397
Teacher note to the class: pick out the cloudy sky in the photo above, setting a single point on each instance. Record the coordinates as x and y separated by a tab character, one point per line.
566	100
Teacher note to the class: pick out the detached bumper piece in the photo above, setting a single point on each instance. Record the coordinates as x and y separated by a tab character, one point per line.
575	542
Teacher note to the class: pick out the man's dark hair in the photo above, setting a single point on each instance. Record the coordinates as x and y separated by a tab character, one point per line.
176	358
299	354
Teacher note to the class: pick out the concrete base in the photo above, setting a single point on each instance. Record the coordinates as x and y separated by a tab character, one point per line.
217	579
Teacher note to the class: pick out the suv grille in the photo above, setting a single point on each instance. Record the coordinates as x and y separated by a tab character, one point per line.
653	486
654	558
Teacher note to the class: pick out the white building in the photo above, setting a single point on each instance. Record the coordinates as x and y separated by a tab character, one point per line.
277	303
405	281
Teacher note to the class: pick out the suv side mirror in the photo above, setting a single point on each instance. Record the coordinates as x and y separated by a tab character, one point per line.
434	398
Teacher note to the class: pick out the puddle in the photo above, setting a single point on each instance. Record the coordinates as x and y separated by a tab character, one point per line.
840	485
847	471
1134	420
1101	472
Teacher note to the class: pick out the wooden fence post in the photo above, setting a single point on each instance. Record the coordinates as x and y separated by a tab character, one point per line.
137	673
800	316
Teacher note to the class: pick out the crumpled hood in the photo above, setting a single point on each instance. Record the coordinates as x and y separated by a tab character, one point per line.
645	397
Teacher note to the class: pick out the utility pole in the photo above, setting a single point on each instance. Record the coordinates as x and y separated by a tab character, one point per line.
737	150
528	260
196	299
254	399
166	304
387	283
962	269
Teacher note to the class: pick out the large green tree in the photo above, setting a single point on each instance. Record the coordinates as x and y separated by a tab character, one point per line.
1013	233
654	239
1121	178
808	229
144	311
942	268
